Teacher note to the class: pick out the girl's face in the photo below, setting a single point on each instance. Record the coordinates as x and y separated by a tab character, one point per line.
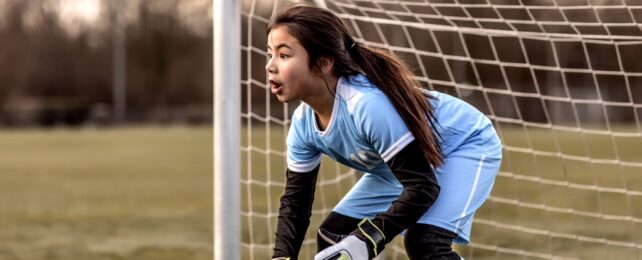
290	77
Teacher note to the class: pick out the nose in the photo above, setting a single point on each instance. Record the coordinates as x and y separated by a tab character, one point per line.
270	67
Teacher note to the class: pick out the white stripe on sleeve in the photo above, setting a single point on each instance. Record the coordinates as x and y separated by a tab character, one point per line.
304	166
397	146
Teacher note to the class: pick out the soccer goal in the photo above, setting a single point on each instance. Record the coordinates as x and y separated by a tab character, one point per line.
560	79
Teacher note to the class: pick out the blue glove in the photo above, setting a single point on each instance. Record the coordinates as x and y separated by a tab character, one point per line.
362	244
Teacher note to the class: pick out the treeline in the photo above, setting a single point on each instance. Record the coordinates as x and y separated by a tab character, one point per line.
48	77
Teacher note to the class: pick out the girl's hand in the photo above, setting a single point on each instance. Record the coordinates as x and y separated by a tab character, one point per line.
362	244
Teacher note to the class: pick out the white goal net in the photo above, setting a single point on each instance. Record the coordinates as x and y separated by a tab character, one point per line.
560	79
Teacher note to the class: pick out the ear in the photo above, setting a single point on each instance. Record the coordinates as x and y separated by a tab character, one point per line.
325	65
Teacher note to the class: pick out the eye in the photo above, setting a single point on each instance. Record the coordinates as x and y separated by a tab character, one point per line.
284	56
269	55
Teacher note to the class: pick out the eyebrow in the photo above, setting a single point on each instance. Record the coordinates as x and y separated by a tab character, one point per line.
282	45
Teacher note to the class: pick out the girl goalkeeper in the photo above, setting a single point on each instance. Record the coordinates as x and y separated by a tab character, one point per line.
429	159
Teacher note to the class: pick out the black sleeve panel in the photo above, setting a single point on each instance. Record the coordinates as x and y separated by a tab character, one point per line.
420	191
295	212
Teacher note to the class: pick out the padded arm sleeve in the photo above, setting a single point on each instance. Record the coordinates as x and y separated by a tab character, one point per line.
420	191
295	212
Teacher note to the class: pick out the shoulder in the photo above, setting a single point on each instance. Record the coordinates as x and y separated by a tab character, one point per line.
373	113
301	116
300	111
299	123
359	94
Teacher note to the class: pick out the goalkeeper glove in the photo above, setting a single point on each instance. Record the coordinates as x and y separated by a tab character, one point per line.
363	243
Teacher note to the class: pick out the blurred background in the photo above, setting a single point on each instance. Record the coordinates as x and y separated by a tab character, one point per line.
105	129
75	62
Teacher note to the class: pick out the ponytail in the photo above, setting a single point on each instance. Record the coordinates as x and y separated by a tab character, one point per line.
394	79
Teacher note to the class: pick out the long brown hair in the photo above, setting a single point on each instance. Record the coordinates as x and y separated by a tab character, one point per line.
323	34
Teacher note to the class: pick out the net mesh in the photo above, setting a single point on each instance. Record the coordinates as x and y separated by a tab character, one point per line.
560	79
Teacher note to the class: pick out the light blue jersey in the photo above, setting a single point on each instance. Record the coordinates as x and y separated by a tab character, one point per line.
365	131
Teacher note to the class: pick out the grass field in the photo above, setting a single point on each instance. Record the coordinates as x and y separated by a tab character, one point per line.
146	193
136	193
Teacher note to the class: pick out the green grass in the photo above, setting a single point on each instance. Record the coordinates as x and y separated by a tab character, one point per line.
146	193
134	193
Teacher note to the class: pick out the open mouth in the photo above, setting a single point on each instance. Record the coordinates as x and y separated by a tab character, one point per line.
275	87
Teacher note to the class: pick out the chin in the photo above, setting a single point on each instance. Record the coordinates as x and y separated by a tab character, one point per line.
283	99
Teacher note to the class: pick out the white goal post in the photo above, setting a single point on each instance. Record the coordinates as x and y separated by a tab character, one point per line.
560	79
227	123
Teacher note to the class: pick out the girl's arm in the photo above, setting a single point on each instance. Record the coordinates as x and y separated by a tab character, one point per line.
294	213
420	191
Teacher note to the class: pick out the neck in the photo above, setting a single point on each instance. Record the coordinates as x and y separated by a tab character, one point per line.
322	102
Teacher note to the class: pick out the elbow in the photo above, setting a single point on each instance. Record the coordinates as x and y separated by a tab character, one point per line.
424	194
431	187
431	192
434	191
